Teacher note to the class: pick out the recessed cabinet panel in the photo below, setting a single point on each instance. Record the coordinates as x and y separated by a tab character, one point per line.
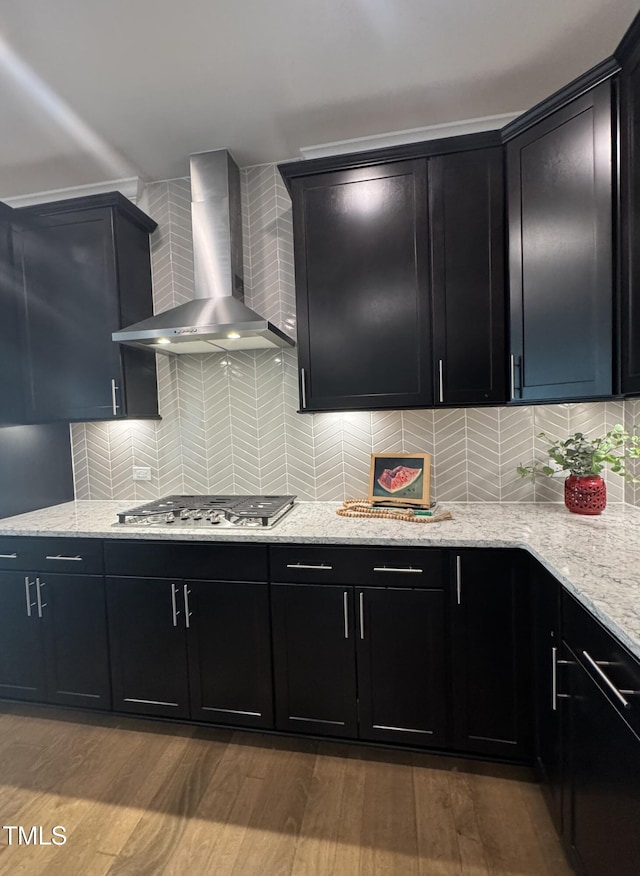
362	285
147	635
560	246
75	631
314	659
402	671
12	376
491	654
21	643
466	192
229	646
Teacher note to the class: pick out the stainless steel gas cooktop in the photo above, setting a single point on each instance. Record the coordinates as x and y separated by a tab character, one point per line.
208	511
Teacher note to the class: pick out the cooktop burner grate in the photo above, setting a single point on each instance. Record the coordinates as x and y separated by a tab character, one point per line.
209	510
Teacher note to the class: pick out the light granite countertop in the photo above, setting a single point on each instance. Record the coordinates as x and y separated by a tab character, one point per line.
596	558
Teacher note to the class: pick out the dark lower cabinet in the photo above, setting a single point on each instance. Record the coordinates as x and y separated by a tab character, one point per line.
360	662
196	649
229	649
402	670
492	709
53	642
549	700
75	634
604	781
314	627
21	641
148	646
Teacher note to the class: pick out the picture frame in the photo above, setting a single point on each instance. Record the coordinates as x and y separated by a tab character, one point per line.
400	479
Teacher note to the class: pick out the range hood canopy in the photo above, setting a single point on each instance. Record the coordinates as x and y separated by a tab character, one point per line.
217	319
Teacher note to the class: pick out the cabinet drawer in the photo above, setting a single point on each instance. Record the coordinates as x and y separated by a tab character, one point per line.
387	567
168	559
71	555
590	641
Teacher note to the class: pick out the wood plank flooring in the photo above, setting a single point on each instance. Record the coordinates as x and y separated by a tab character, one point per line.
150	799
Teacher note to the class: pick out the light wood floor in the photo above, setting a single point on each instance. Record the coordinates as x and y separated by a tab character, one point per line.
142	798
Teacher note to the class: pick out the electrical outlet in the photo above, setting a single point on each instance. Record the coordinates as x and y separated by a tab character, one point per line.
141	473
558	471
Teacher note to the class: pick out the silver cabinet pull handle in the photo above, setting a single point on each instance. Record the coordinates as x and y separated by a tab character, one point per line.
27	593
614	690
459	579
62	557
441	379
8	556
362	614
345	607
404	571
187	613
40	603
554	679
303	387
114	403
174	607
322	567
512	373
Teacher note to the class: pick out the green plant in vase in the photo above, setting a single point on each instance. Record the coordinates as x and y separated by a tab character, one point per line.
585	458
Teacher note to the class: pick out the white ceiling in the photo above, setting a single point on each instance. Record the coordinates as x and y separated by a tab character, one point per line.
93	90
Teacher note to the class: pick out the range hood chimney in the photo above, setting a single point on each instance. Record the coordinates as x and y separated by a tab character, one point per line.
217	319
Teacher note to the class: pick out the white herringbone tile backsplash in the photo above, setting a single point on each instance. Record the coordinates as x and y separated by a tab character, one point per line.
230	422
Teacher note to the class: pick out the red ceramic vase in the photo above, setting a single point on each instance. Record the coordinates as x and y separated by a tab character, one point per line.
585	495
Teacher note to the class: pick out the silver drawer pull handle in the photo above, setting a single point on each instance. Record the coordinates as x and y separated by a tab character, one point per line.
40	603
614	690
362	614
114	399
187	613
27	593
323	567
409	571
174	607
345	608
8	556
61	557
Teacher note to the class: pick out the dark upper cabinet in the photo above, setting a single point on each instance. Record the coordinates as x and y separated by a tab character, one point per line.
12	386
466	196
629	233
491	654
84	268
400	276
362	287
559	179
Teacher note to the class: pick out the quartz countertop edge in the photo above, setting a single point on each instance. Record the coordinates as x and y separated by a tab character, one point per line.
597	559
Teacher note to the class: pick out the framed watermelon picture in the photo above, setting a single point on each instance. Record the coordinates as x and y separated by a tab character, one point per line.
400	479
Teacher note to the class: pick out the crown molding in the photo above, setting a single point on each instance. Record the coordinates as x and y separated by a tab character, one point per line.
130	187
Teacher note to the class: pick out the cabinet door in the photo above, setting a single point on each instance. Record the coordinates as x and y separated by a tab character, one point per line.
491	651
147	635
314	659
466	193
604	765
67	263
402	672
560	252
549	701
74	622
230	653
362	288
12	354
630	225
21	644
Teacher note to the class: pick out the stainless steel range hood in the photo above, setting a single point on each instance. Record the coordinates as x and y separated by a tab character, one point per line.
217	319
